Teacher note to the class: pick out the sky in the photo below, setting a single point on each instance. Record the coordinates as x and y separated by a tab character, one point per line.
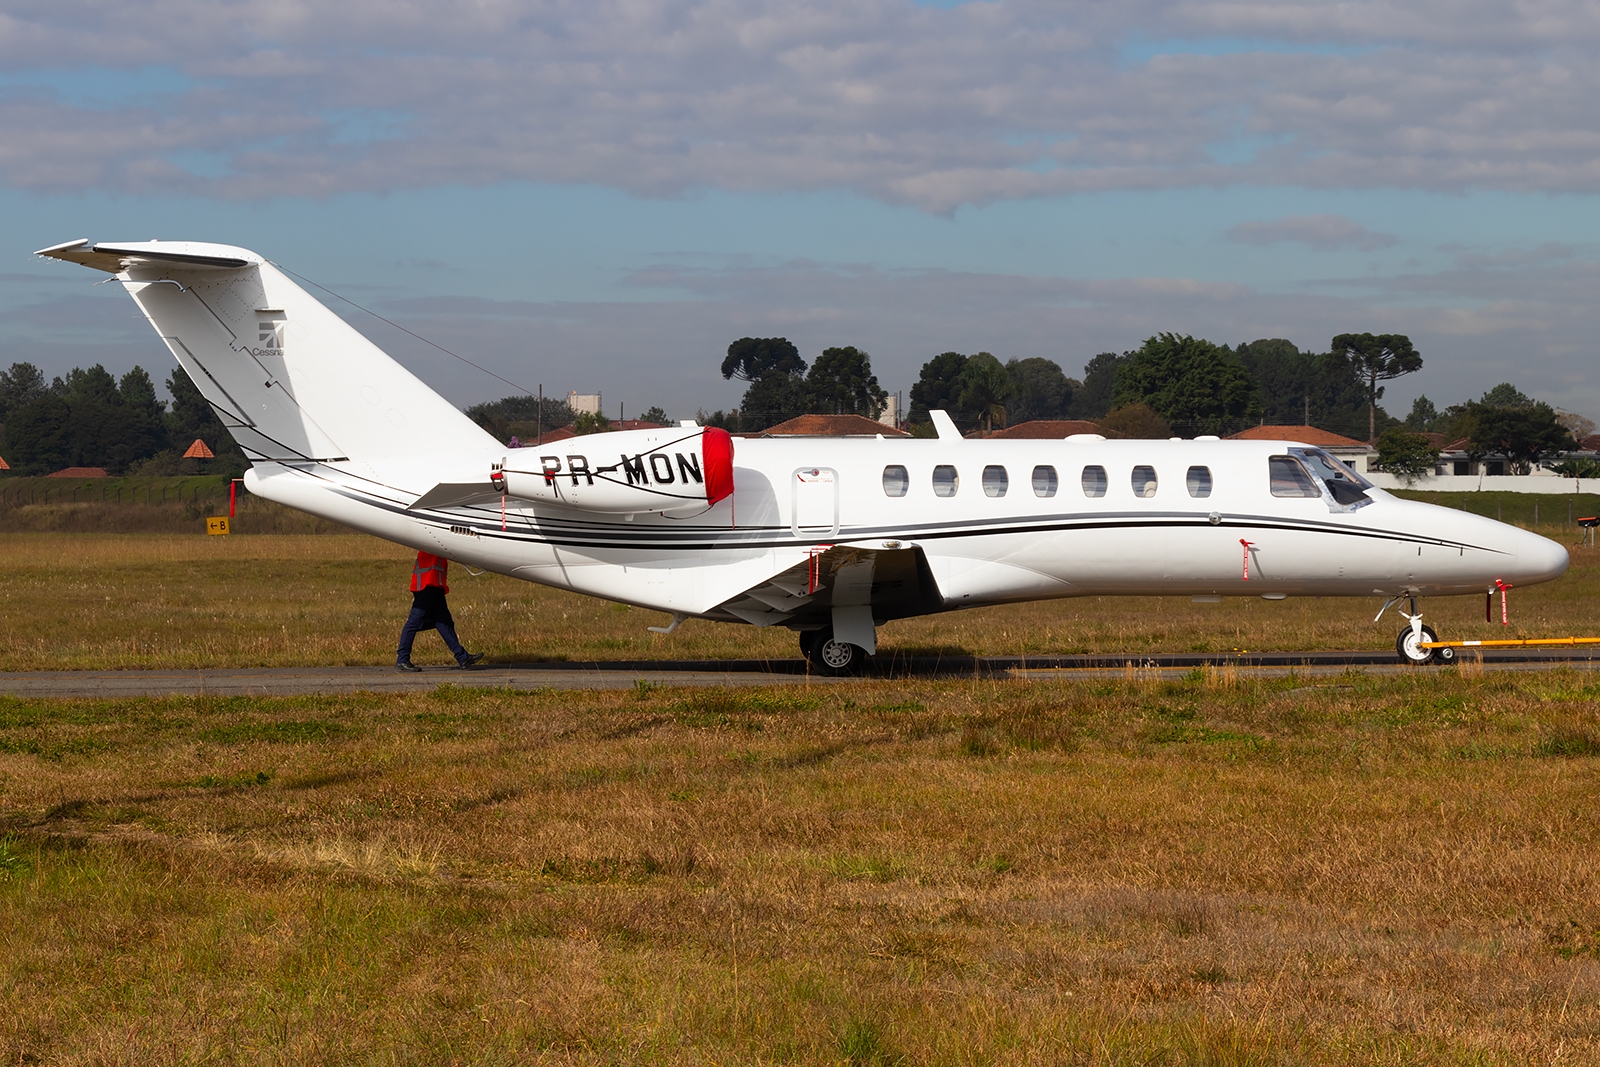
600	195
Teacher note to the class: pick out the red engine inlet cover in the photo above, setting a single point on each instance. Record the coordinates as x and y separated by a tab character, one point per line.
717	448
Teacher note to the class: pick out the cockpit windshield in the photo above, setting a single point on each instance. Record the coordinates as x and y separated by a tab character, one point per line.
1348	489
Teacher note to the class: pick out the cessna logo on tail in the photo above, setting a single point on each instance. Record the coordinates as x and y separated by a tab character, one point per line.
269	334
657	467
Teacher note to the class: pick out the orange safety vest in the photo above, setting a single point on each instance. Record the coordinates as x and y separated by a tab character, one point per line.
429	570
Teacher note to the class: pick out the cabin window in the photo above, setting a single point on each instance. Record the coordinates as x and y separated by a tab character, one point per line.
995	481
896	480
1144	481
1044	481
945	480
1094	481
1290	479
1199	481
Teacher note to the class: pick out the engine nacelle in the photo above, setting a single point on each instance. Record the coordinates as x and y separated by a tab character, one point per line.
672	469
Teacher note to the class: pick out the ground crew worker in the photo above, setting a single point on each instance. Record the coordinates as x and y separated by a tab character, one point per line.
429	611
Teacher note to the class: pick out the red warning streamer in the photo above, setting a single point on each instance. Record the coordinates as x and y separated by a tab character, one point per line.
814	569
1248	545
1505	613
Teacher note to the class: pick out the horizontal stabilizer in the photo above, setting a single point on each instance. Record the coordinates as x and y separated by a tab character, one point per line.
116	258
456	495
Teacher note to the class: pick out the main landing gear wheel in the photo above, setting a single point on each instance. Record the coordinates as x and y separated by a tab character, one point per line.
1408	645
829	656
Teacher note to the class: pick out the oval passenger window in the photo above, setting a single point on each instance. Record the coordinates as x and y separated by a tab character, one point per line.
1144	481
995	481
945	480
1199	481
1044	481
1094	481
895	481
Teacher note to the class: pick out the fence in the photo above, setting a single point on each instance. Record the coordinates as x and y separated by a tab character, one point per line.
22	492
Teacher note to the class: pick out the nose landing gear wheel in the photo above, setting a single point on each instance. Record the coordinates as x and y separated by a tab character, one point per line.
1408	645
829	656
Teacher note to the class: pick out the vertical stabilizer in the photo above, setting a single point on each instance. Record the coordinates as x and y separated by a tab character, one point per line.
290	380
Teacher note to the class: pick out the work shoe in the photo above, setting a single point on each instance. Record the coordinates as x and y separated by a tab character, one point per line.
407	665
472	657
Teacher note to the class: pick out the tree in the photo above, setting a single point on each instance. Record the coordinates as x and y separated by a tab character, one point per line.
1524	435
1039	390
1137	421
22	384
841	382
1283	376
776	373
1506	395
1577	467
1377	358
1295	386
1305	387
750	359
935	388
1409	455
982	390
1576	424
85	419
142	431
590	422
1423	415
39	435
92	386
1196	386
191	417
657	415
521	416
1093	399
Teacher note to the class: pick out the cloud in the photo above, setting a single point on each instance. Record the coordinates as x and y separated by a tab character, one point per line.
930	107
1322	232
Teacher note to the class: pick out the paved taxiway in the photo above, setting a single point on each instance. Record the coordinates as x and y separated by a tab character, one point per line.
289	681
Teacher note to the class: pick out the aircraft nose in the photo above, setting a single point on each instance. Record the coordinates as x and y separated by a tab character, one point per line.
1540	559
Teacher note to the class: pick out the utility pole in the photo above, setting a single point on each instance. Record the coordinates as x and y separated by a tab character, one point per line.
539	417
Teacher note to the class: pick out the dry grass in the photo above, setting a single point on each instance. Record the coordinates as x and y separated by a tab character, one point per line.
156	600
1204	871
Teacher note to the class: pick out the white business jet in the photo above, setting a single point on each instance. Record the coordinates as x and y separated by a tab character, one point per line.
829	537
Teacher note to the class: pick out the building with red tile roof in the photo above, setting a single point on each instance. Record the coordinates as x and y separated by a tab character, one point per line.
1305	435
830	426
1045	430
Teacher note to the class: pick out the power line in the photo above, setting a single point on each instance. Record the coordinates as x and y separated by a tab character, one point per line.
524	390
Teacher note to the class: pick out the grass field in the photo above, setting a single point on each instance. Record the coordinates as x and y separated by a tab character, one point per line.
1351	870
173	600
1331	871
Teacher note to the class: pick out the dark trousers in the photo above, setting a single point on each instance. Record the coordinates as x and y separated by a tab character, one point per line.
429	612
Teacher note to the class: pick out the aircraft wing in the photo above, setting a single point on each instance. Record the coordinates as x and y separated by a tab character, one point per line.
848	586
